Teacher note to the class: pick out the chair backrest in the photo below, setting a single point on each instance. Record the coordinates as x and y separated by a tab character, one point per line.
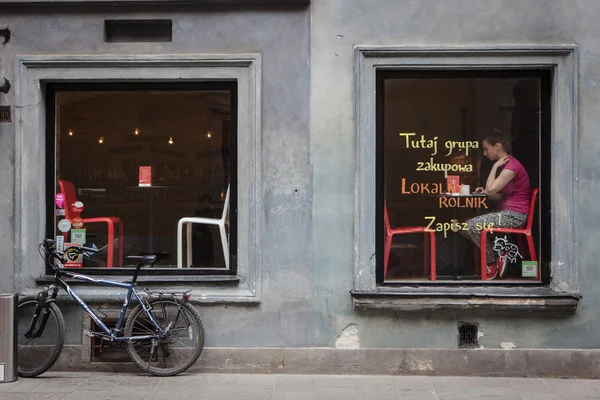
534	193
68	190
386	219
226	205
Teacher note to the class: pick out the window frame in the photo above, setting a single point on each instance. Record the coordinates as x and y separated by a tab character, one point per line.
34	72
562	62
543	205
52	89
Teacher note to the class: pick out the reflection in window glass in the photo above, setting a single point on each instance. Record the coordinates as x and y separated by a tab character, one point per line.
130	164
460	155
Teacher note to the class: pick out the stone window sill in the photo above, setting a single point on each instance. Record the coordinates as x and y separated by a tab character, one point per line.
510	299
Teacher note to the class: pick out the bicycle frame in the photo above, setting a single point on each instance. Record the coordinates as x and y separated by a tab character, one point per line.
111	333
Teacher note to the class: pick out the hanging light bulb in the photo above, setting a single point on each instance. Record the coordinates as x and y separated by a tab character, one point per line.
171	140
70	132
100	140
136	131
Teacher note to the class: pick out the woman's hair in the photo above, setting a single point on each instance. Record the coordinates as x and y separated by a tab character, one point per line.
504	140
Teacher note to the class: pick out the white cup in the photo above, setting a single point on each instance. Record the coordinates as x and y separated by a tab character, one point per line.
465	190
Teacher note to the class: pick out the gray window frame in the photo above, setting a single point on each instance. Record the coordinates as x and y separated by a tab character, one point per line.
563	291
33	72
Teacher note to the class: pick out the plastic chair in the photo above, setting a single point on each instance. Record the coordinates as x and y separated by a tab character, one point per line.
188	221
429	244
68	190
525	231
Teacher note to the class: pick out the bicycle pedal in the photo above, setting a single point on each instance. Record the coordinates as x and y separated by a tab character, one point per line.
88	333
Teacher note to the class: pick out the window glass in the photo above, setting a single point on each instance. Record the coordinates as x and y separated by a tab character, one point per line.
459	155
131	164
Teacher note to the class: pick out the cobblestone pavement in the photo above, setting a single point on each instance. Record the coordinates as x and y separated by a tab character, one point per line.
108	386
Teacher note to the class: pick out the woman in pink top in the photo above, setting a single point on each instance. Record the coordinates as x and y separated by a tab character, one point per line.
511	188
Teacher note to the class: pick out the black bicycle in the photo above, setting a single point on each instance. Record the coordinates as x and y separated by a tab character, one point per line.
163	334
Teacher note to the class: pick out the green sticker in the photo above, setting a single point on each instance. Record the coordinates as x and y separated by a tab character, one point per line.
78	236
529	269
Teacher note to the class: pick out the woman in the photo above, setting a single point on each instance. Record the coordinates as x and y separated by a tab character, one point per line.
513	191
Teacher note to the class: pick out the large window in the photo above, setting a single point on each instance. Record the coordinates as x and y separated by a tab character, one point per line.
440	135
144	168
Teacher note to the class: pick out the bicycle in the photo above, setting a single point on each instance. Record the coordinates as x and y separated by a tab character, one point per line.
163	334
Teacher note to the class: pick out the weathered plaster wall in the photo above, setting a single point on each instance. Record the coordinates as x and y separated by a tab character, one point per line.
308	152
281	36
337	26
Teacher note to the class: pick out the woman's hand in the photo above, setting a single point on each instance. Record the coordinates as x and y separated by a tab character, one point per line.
479	190
501	162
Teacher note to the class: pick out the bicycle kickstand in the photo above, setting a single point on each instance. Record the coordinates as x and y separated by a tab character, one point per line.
152	350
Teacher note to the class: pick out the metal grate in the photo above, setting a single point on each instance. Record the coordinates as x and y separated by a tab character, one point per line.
5	114
467	335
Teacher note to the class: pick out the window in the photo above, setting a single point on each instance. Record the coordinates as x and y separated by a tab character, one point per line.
35	183
443	81
431	173
142	161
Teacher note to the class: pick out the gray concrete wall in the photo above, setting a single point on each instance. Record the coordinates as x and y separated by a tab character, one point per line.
308	133
280	35
337	26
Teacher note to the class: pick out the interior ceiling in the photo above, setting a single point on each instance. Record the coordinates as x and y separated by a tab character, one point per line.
214	98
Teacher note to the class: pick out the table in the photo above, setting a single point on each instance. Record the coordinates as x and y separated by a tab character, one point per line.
477	211
455	250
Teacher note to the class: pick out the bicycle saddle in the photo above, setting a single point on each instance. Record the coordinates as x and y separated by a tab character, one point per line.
144	260
160	255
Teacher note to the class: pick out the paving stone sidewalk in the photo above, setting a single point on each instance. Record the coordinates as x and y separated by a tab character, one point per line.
105	386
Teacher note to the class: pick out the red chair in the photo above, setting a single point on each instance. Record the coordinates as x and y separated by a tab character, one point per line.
68	190
429	244
525	231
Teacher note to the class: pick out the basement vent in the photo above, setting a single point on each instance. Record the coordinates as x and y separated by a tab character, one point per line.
5	114
138	30
467	335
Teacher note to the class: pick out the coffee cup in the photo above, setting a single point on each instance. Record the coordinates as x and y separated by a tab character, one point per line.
465	190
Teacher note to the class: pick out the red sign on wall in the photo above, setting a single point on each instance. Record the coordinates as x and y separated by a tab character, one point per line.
145	178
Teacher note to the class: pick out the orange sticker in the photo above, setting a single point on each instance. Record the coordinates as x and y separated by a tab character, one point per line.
77	223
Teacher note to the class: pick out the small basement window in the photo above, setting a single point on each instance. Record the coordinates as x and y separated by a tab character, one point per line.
106	351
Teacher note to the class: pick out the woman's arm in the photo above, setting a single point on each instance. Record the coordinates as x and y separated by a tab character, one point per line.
495	185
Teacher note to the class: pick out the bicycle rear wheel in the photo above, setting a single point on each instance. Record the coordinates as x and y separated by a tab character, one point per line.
182	345
38	353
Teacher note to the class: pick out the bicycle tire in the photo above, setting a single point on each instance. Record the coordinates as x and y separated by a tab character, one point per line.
140	352
37	355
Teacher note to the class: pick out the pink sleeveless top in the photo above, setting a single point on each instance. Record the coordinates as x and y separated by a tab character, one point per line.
516	195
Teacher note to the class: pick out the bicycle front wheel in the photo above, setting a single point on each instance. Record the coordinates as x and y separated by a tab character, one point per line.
40	345
181	346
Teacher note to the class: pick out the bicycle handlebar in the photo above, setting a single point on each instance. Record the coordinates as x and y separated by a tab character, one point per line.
50	247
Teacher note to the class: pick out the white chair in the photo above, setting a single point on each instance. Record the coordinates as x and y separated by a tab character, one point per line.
188	221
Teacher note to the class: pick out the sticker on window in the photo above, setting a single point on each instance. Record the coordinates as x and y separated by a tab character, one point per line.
78	236
529	269
74	258
506	250
77	223
64	225
60	200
